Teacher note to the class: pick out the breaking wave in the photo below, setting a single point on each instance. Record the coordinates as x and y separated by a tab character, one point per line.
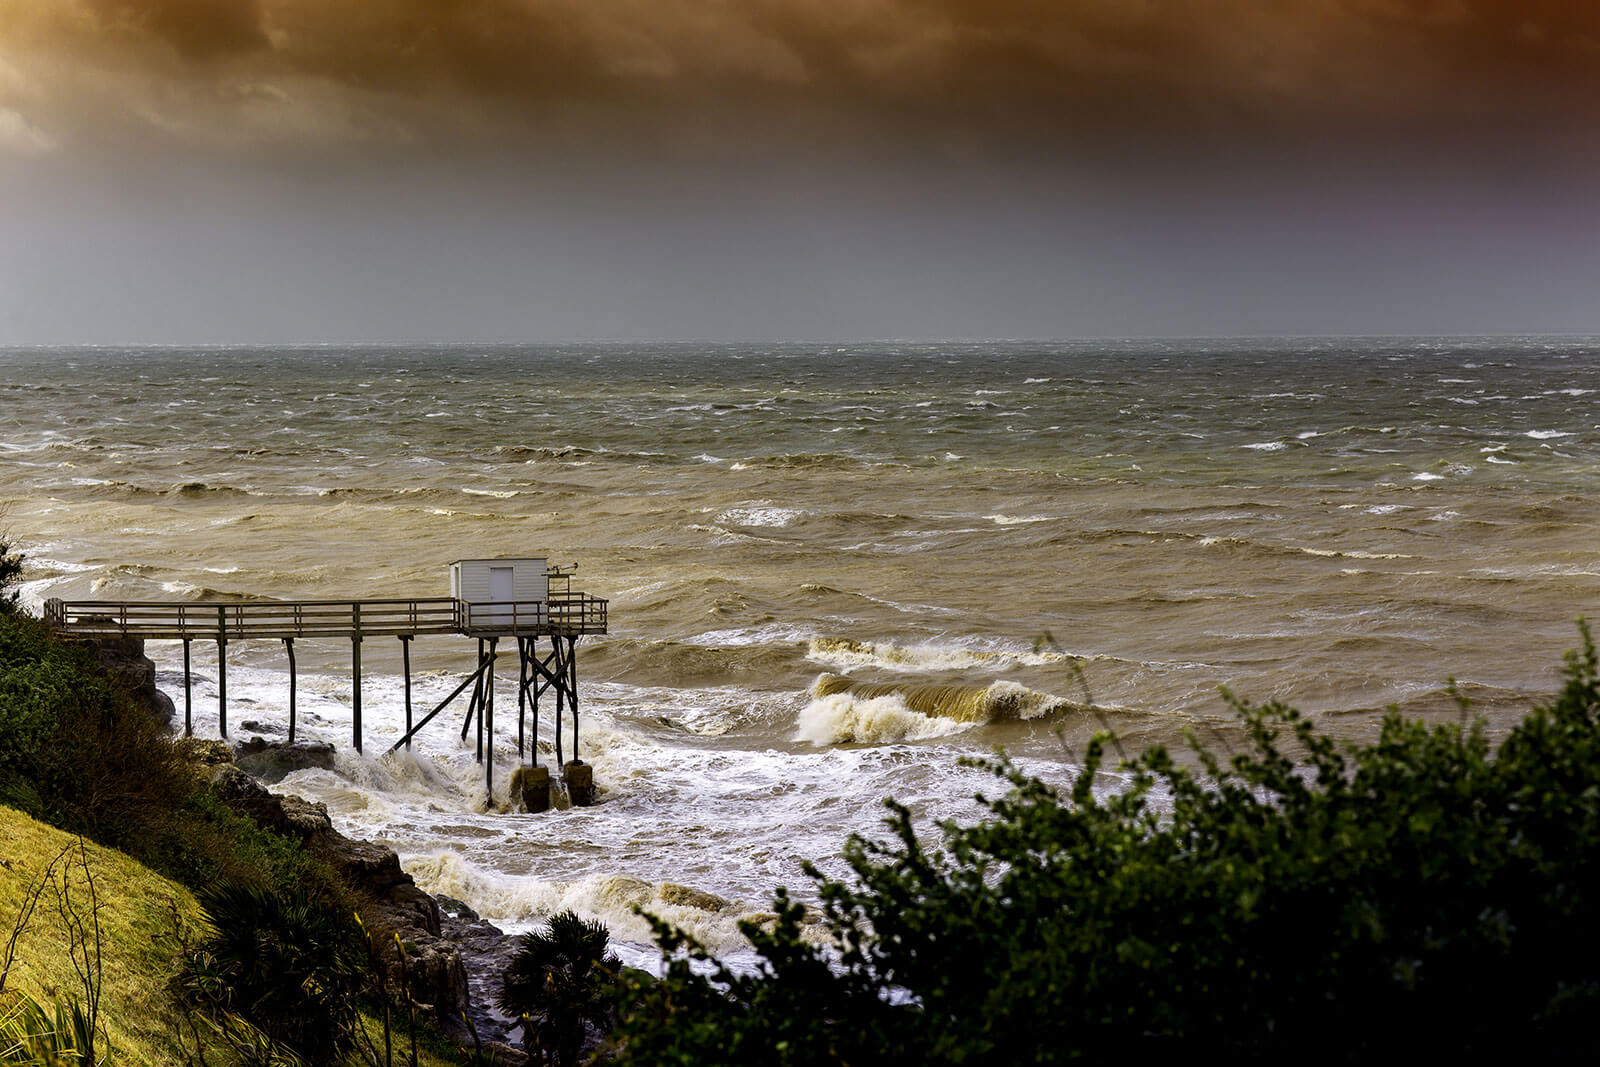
845	654
844	711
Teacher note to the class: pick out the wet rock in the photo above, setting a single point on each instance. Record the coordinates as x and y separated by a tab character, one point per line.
451	908
272	760
124	659
398	915
485	953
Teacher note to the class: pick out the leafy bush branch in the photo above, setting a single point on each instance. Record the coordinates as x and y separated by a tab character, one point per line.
1417	895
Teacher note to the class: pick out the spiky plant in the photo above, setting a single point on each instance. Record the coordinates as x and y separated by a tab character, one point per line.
10	575
559	983
289	964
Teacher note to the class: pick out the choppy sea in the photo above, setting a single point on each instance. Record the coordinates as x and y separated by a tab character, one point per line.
834	570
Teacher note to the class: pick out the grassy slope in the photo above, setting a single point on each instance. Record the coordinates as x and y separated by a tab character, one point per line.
138	946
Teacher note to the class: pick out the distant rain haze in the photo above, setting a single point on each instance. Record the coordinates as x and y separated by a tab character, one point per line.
209	171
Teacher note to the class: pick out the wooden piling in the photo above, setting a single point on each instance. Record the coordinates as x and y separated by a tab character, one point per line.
288	646
222	670
188	695
487	684
355	672
405	658
477	695
488	763
572	694
559	669
471	679
522	690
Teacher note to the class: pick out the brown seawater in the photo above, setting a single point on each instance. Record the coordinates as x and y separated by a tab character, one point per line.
829	566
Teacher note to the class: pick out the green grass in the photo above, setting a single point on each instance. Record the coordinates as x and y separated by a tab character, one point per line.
141	917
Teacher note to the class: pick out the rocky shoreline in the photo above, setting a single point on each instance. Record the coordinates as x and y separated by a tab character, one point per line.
452	958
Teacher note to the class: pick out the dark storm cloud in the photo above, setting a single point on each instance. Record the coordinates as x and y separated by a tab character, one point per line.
235	70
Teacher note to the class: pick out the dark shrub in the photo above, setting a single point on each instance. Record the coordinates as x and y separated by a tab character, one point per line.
1414	897
560	982
285	961
10	575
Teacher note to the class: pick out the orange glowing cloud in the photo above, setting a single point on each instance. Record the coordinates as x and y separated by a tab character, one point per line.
249	72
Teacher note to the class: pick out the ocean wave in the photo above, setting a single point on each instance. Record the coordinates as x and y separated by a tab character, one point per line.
569	453
844	711
1234	543
615	900
808	460
759	513
681	664
846	653
843	717
197	490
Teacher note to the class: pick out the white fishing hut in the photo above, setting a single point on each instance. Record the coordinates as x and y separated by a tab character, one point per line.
501	596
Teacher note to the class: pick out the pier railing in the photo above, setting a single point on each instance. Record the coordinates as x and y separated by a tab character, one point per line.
565	614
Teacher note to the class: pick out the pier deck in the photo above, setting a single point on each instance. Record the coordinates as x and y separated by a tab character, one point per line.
562	615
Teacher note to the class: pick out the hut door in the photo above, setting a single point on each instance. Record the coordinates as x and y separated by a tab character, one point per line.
502	590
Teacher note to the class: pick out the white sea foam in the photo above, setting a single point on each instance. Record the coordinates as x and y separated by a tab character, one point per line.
761	513
1267	446
846	654
843	717
1017	520
1547	435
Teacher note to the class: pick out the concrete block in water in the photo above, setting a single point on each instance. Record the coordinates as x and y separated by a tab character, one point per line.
530	786
579	777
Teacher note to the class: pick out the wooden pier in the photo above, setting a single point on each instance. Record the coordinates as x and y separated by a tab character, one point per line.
561	617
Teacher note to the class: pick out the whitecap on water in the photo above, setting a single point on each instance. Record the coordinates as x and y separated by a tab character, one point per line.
759	513
843	717
1016	520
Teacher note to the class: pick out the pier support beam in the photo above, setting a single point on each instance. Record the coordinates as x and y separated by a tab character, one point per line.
222	670
471	679
487	755
288	646
572	695
188	695
355	673
522	693
405	658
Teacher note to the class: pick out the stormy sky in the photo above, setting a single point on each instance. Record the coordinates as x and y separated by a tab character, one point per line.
202	171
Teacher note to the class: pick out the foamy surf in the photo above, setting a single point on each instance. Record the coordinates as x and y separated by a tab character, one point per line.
846	654
843	711
616	900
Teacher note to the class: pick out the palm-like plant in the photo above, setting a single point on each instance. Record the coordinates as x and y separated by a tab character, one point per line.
10	575
559	983
289	964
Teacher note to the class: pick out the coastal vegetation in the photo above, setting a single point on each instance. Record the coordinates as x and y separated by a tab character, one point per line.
1430	892
560	983
10	576
142	920
1423	894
